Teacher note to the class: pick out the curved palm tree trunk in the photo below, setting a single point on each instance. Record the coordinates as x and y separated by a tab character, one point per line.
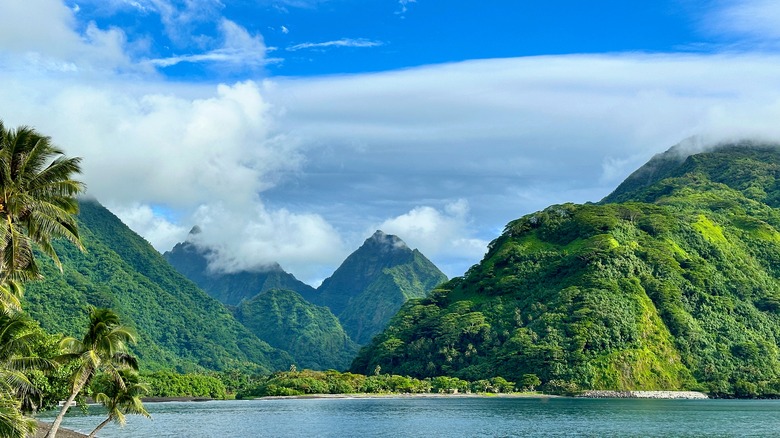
99	426
57	421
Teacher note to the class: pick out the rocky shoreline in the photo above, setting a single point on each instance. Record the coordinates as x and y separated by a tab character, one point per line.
679	395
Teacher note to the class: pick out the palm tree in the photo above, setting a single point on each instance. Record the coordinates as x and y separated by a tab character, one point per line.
104	347
121	397
37	204
17	334
13	423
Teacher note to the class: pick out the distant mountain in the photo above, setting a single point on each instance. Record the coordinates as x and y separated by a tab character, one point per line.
374	281
672	282
310	333
230	288
177	324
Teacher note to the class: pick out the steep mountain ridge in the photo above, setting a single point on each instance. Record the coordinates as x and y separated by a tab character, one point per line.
177	324
365	291
374	281
673	282
230	288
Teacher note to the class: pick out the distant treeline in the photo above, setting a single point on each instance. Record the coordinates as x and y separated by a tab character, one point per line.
292	383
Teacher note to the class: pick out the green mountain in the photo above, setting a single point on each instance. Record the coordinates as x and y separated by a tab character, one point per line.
230	288
177	324
373	282
310	333
672	282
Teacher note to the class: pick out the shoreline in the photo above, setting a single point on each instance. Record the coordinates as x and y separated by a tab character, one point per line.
658	395
661	395
62	432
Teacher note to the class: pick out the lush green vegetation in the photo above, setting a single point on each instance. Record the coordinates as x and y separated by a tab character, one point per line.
178	326
103	348
293	382
171	384
310	333
364	293
679	291
373	282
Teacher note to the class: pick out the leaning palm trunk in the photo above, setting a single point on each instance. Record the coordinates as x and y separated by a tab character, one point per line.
57	421
100	426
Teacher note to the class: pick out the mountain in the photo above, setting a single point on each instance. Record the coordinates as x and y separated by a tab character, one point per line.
230	288
671	282
310	333
374	281
364	293
177	324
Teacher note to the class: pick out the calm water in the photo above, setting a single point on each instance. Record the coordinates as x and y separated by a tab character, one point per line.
445	417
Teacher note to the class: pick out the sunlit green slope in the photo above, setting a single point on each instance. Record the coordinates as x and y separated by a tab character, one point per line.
678	291
310	333
373	282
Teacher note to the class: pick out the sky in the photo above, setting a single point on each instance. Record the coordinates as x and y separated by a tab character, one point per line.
290	130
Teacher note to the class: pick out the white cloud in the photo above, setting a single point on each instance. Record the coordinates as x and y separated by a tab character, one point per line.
344	42
159	231
441	234
756	20
305	244
23	45
238	47
295	170
404	6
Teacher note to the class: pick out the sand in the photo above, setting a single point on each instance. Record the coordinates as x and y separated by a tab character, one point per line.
61	433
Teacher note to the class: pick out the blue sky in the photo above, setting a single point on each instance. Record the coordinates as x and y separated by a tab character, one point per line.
305	37
291	130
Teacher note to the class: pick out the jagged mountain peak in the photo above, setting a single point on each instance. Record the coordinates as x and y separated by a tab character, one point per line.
373	283
386	241
231	288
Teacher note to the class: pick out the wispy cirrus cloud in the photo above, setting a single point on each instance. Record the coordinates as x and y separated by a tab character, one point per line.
344	42
238	47
756	21
404	6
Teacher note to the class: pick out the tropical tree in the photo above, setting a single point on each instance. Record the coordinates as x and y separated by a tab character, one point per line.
13	424
121	397
37	204
18	334
103	348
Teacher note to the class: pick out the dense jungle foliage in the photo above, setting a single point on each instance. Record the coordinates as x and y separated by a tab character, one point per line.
178	325
373	282
310	333
364	293
673	282
293	382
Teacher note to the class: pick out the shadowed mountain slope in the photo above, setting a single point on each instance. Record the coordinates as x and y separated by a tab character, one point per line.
230	288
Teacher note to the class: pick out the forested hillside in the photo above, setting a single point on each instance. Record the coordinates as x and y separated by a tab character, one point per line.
374	281
178	325
310	333
673	282
364	293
